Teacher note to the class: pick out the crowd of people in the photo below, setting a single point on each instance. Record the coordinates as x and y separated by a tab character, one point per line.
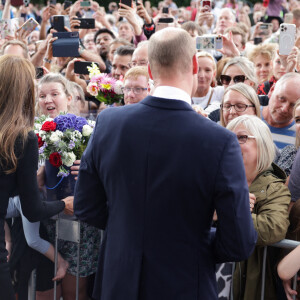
195	168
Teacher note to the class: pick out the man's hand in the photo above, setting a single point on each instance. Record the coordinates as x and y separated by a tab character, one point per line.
205	17
69	209
142	12
129	13
75	168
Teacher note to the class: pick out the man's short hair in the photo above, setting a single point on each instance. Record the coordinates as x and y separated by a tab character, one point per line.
285	78
137	71
124	50
296	13
192	26
171	51
232	13
104	30
14	43
237	31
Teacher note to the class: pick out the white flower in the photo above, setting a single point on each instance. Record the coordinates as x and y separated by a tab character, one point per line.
43	134
68	159
59	133
87	130
118	87
49	120
91	123
54	137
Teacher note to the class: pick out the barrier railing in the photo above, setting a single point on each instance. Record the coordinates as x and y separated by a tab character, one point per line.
285	244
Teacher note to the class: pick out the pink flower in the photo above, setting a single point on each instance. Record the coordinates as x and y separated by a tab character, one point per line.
93	88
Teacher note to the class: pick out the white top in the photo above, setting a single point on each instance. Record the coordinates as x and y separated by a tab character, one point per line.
215	101
170	92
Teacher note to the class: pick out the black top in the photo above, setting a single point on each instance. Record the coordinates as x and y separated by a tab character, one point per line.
23	182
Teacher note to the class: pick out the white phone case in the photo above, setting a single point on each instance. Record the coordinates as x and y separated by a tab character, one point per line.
286	38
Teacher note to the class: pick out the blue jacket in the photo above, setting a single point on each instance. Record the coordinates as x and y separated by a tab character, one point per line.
152	175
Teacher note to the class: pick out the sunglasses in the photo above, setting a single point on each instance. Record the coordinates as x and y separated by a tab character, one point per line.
225	79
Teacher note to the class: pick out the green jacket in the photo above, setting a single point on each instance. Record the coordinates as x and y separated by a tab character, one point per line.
270	218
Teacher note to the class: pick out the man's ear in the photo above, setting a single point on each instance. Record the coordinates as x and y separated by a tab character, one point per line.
149	72
195	65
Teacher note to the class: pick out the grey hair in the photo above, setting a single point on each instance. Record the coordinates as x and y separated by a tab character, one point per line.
245	90
266	150
245	65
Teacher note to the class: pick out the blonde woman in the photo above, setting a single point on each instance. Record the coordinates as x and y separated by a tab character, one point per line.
206	96
262	56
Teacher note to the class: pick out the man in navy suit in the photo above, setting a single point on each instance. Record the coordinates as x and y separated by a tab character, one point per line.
152	176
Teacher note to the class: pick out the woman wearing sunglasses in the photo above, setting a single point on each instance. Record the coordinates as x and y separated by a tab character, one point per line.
238	69
269	201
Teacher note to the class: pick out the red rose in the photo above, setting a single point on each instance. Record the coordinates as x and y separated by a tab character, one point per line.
40	141
55	159
49	126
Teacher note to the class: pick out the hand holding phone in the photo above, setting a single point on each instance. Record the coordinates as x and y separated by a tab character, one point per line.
286	38
126	2
206	4
29	25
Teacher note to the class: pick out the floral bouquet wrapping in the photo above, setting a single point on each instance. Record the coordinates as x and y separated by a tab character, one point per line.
104	88
62	140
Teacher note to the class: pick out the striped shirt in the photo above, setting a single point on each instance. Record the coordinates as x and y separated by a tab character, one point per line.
282	136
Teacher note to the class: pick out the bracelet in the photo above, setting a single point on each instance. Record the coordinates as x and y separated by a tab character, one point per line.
46	60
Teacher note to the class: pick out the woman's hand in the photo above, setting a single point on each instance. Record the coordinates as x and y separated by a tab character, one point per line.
229	48
205	17
252	200
75	168
69	210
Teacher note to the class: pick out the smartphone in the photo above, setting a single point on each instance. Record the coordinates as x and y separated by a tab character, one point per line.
288	18
39	72
218	42
206	4
265	28
16	2
209	42
165	10
240	5
67	4
80	67
286	38
126	2
86	23
257	40
29	25
52	2
85	3
59	23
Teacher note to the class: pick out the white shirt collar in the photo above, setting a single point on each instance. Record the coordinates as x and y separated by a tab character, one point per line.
170	92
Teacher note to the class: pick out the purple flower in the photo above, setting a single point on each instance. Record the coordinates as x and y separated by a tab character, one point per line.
69	121
71	145
62	173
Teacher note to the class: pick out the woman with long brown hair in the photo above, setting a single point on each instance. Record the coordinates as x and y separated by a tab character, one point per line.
18	153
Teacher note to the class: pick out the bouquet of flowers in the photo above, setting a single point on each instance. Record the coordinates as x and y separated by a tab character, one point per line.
104	88
62	140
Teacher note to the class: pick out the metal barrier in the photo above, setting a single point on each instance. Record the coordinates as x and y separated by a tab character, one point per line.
285	244
67	230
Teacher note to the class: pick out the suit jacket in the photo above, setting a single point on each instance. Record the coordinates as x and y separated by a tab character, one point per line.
152	175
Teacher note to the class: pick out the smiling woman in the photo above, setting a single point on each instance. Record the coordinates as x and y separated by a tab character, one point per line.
269	206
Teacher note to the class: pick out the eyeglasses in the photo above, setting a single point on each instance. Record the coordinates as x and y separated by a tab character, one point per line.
225	79
89	41
139	63
136	90
239	107
242	139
